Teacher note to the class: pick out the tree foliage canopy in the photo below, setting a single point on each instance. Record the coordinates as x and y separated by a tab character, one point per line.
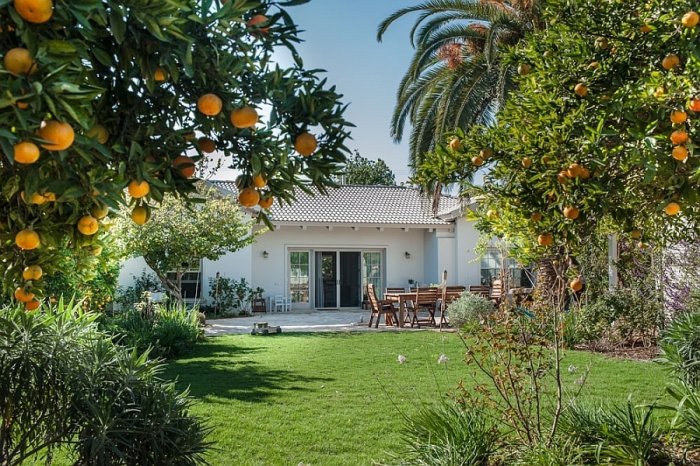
125	77
360	170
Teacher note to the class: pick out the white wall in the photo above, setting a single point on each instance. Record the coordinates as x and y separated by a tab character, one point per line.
131	268
468	263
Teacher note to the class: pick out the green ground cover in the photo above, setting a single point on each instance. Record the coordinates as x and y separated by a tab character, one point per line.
339	398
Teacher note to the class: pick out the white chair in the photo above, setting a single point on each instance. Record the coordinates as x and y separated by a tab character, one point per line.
282	304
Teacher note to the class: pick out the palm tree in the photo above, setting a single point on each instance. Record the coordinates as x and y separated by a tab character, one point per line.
455	79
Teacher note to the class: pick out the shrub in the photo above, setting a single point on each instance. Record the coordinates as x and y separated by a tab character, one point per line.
687	419
567	453
128	297
469	310
232	297
66	384
680	346
449	434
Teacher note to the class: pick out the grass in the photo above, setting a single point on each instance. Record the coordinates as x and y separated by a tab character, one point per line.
338	399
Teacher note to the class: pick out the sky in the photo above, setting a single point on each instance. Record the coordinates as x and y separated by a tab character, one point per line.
340	37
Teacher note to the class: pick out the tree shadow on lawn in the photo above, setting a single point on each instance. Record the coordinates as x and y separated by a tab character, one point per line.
211	373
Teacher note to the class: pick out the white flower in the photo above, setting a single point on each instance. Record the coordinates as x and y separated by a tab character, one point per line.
572	368
443	359
402	359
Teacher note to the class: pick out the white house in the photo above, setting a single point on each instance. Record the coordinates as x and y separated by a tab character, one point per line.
325	248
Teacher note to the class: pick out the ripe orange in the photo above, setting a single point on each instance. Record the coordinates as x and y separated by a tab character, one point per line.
255	21
594	65
34	11
584	173
645	28
206	145
563	177
526	162
26	152
32	272
680	153
27	239
32	305
672	208
259	181
184	166
140	215
137	189
305	144
545	239
571	213
477	161
23	295
690	19
99	211
88	225
266	202
248	197
678	117
670	61
486	153
455	144
60	135
19	62
98	132
635	234
581	90
574	170
576	284
36	198
160	75
210	104
602	43
536	217
524	69
679	137
244	117
694	105
49	196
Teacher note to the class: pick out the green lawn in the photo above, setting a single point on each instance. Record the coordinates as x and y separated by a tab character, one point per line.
338	399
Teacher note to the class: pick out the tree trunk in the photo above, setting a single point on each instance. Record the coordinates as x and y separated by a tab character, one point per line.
174	288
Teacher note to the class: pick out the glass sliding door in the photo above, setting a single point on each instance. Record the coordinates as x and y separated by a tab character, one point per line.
350	279
373	271
326	279
299	280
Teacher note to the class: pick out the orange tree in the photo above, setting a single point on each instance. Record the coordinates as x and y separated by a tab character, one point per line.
598	137
102	95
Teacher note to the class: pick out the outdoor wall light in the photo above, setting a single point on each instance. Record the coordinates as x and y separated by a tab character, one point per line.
265	254
407	255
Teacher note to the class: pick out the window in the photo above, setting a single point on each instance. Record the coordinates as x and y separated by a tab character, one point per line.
491	263
191	281
299	276
372	271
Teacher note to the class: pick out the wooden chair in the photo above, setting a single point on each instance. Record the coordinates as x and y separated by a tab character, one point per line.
455	288
380	307
480	290
258	305
426	300
496	293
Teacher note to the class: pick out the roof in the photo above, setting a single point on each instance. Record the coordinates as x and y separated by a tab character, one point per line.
354	204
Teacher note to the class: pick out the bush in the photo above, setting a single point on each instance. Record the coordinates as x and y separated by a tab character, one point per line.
567	453
680	346
65	384
129	297
687	419
169	331
231	297
469	310
449	434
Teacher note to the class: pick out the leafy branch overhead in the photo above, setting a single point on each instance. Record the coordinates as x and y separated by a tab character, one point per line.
104	97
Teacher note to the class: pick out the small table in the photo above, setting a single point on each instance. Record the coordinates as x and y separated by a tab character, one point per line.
401	298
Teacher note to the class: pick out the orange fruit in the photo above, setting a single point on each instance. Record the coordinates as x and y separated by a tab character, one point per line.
255	21
574	170
184	166
524	69
88	225
259	181
635	234
137	189
248	197
563	177
34	11
581	90
19	62
22	105
305	144
486	153
32	272
140	215
670	61
99	211
571	213
98	132
32	305
96	250
678	117
576	284
49	196
60	135
266	202
602	43
477	161
36	198
672	208
206	145
680	153
536	217
584	173
160	75
26	152
694	105
455	144
210	104
593	65
679	137
645	28
690	19
526	162
23	295
545	239
27	239
244	117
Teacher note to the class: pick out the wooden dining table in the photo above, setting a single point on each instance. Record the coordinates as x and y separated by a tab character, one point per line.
400	298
